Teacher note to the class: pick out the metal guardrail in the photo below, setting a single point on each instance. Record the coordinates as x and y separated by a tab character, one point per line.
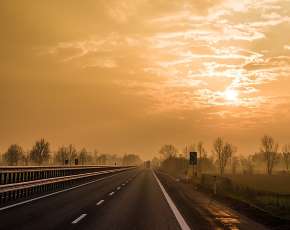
52	167
10	175
11	192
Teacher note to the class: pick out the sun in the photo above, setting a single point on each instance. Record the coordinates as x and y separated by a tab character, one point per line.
231	95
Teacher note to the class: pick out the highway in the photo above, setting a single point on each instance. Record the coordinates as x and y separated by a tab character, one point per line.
134	199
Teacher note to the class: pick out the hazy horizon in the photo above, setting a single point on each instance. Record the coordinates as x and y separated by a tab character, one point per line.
130	76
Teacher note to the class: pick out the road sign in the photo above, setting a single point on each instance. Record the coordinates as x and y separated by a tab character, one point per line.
193	158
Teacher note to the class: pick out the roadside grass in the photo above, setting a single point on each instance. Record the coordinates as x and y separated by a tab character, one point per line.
274	183
272	197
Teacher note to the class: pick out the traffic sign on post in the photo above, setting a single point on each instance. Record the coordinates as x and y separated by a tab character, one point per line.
193	158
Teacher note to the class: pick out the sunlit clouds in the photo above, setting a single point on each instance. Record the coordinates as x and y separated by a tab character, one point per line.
204	64
186	49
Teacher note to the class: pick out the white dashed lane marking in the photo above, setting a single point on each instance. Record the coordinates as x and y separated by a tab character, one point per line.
79	218
111	194
119	188
100	202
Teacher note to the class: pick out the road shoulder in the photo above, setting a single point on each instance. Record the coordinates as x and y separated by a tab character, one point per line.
198	208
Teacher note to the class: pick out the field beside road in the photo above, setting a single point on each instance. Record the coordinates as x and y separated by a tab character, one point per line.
263	193
274	183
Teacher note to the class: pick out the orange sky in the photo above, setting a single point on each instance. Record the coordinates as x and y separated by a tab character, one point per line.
129	76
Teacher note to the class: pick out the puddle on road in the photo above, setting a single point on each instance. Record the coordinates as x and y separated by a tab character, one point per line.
229	222
226	219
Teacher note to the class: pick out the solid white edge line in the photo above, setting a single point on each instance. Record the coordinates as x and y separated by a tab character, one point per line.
54	193
177	214
100	202
79	218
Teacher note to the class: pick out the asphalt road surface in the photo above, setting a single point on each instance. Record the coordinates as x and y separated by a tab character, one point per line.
135	199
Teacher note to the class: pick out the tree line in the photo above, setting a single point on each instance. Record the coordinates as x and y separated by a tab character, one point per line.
224	157
41	154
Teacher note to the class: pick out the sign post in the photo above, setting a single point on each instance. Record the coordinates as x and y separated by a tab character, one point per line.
193	164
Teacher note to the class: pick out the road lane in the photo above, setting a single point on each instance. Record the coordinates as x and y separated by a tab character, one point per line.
138	205
56	211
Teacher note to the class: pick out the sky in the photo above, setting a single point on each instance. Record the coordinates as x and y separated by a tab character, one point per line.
129	76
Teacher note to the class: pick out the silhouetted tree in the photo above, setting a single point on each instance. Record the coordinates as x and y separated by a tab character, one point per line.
286	156
187	149
131	159
102	159
175	166
247	164
168	151
72	153
235	164
13	155
62	155
202	154
155	162
84	156
26	157
270	149
95	156
223	151
40	152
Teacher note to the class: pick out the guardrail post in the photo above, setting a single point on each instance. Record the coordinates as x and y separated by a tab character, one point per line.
3	198
9	178
4	178
13	177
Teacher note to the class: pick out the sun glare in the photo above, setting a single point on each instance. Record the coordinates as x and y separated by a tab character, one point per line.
231	95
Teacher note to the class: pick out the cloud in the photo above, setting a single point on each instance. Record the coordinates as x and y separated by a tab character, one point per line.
171	61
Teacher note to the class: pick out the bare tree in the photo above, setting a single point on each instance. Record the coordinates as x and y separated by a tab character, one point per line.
61	155
235	164
95	156
102	159
223	151
13	155
286	156
187	149
72	153
40	152
248	165
269	148
202	154
131	159
168	151
84	156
